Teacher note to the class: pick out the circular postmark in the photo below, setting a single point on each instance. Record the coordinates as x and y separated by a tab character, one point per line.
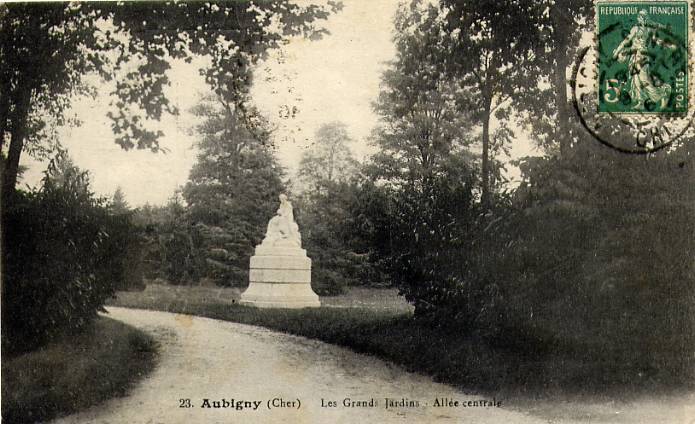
631	90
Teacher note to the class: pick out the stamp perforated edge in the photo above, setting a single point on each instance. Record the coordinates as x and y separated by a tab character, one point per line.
690	20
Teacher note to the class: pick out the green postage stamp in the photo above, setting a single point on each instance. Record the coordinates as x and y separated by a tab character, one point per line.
643	57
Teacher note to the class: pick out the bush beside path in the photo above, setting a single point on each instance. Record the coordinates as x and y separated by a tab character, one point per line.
75	372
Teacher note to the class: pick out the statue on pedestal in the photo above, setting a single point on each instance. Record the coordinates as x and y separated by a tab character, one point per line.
280	271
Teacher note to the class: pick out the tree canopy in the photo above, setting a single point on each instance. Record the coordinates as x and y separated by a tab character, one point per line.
558	25
233	188
494	50
420	120
329	159
46	49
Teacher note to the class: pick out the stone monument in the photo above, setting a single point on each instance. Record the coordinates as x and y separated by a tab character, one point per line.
280	270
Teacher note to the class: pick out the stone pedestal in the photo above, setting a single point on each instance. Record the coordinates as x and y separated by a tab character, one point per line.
280	271
280	277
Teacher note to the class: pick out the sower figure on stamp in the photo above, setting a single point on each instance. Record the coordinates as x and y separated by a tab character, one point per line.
636	46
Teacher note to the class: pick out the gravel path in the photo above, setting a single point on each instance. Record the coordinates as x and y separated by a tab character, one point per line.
208	359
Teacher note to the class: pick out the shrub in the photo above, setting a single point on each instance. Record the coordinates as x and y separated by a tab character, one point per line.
169	243
603	258
63	255
124	251
178	256
324	222
371	227
51	255
440	243
326	282
592	256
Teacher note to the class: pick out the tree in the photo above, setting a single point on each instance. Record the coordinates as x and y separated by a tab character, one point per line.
63	172
492	53
328	174
329	160
424	175
118	203
168	242
131	240
151	220
560	24
421	124
233	188
47	48
565	19
602	258
327	234
371	228
64	254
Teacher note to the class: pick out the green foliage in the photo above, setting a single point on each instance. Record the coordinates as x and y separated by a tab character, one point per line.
180	264
209	230
420	120
371	229
604	254
495	52
546	108
170	243
593	253
64	255
324	222
118	203
47	48
329	160
422	210
437	238
150	220
126	244
232	190
123	267
347	231
327	174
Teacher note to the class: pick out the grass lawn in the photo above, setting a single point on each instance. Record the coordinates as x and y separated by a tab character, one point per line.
156	296
75	372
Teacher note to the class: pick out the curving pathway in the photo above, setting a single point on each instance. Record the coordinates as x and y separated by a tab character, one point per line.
202	359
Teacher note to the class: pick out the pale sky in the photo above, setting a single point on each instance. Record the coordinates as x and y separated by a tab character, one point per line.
336	78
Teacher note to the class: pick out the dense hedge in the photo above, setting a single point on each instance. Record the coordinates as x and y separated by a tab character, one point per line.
603	257
64	254
594	256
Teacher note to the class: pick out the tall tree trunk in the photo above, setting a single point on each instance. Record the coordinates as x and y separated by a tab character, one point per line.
18	133
562	129
331	164
485	195
4	110
563	28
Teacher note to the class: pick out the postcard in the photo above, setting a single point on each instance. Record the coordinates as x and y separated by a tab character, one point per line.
348	211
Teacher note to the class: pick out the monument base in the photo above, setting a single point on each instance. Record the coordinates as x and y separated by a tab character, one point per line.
275	295
280	278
